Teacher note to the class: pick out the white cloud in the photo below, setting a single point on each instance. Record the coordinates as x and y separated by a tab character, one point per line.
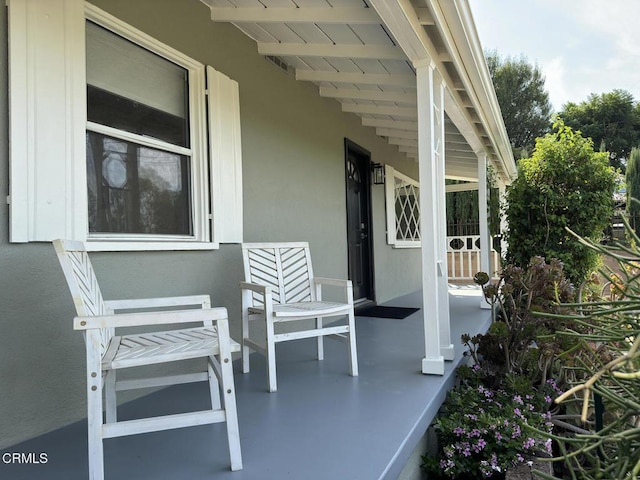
554	72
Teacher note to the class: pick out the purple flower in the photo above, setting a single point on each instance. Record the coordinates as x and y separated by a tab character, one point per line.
459	431
529	443
518	399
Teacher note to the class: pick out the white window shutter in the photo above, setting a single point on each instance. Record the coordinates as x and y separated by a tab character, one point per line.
226	157
47	193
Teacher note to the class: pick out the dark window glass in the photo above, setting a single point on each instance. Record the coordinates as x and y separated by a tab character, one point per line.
136	189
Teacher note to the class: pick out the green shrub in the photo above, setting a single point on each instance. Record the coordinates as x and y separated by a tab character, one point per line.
565	184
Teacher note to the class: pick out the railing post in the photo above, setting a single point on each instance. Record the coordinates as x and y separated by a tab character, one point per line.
483	214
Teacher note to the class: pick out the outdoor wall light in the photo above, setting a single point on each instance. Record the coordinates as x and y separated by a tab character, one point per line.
377	174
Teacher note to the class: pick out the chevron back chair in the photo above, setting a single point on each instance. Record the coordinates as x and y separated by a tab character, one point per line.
107	352
279	287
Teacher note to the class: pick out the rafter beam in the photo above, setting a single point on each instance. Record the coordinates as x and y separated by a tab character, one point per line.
424	16
404	142
399	97
404	112
380	52
395	124
337	15
391	132
408	150
406	81
462	187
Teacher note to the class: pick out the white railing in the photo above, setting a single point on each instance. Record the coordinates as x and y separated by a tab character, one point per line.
463	257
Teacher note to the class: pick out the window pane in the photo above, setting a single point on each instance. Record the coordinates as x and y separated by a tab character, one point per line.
133	89
136	189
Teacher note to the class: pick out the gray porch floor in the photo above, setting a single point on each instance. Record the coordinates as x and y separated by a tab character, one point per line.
321	424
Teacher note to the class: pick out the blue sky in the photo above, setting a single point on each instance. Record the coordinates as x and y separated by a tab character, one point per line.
581	46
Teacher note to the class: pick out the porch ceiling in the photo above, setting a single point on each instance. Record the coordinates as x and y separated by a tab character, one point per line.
347	49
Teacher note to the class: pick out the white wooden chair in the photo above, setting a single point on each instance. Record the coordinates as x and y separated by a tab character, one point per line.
280	287
108	352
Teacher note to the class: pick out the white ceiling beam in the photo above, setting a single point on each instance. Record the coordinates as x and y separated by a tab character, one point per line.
330	92
459	175
406	81
424	16
394	124
462	187
405	112
403	142
337	15
454	161
391	132
401	20
380	52
408	150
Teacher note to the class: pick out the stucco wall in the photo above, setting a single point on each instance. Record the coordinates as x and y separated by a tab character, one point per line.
294	189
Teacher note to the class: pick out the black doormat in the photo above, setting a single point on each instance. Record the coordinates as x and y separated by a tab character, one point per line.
380	311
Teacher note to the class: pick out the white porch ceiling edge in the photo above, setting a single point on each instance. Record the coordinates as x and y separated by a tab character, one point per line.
363	53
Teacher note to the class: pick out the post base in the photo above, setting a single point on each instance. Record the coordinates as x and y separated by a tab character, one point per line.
448	352
433	366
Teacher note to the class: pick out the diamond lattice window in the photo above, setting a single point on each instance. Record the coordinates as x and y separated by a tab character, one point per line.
403	209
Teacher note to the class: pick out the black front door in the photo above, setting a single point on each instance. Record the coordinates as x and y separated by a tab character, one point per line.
359	221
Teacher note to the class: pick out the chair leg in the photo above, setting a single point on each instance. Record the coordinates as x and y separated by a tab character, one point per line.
94	406
110	397
320	339
245	334
214	387
228	387
353	353
271	357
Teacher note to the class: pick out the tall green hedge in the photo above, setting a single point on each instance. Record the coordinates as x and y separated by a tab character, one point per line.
633	189
565	184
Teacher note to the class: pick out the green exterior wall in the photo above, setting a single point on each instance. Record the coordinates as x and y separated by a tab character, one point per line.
293	187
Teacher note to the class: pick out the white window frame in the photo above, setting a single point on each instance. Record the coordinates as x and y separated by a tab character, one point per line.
392	179
48	124
197	153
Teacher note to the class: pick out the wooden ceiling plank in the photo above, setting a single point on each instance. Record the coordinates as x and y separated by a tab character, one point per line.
406	81
338	15
321	50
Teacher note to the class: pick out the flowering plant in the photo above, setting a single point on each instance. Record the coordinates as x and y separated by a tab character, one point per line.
485	431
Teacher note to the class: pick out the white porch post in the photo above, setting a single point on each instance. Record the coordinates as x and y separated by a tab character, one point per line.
428	145
485	240
446	347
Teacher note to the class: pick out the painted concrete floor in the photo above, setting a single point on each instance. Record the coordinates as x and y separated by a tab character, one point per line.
322	424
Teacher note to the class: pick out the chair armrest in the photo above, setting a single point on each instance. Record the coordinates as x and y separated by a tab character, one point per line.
256	287
334	282
139	303
150	318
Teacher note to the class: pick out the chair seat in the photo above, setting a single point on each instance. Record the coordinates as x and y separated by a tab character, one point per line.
307	309
159	347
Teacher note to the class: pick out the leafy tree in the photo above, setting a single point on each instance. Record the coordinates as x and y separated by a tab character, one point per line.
611	119
523	99
564	184
633	189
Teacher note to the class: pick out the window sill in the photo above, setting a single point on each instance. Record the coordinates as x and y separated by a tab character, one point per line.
407	245
143	246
